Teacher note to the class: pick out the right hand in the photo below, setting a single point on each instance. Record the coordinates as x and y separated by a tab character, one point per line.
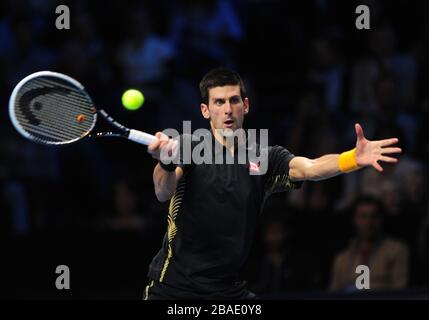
162	146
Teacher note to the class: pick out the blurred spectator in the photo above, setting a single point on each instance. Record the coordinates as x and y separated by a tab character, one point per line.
383	60
402	216
327	72
423	249
33	173
206	34
145	55
284	266
313	122
126	215
145	59
422	142
387	259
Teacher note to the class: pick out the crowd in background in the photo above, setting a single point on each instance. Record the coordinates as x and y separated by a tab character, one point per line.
310	75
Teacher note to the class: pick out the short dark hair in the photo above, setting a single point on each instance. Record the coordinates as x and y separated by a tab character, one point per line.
220	77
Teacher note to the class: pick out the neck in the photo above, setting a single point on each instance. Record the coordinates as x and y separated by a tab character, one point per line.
367	240
230	144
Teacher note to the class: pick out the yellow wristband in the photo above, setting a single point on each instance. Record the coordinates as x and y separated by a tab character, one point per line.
347	161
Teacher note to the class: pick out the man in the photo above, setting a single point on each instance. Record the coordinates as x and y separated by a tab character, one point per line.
386	258
214	207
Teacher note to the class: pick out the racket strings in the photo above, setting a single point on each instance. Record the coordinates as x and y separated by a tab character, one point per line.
55	122
52	114
52	110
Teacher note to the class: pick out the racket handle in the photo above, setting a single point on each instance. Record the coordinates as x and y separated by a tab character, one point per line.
141	137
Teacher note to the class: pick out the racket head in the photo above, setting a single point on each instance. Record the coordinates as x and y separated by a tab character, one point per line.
51	108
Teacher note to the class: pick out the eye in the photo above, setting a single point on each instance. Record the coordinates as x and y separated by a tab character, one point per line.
219	102
235	100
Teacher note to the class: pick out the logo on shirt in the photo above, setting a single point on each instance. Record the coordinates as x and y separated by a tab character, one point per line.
254	166
199	147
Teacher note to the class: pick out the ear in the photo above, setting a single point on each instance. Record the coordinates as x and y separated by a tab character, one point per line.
246	105
205	111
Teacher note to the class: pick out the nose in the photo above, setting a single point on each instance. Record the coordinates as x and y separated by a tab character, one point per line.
228	108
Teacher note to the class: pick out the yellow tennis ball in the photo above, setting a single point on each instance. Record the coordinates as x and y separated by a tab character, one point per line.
132	99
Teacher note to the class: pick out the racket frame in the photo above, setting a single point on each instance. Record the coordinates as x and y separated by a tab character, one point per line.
130	134
20	84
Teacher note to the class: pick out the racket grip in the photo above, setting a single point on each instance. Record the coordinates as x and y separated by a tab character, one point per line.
141	137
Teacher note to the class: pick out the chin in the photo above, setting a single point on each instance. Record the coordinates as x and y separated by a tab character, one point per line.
227	132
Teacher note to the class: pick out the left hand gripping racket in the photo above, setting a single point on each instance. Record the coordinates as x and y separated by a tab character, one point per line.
54	109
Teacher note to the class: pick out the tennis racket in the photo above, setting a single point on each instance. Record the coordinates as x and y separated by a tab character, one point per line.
54	109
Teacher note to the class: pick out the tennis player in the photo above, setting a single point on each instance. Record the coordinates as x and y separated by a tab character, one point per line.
214	208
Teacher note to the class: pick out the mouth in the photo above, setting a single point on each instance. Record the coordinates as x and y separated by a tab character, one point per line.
228	123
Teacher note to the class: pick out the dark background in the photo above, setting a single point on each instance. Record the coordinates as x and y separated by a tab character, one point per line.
310	75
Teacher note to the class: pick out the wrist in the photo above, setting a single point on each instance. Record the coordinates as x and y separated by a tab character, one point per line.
347	161
168	167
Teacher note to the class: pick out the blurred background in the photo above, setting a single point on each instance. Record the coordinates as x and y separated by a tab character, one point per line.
310	75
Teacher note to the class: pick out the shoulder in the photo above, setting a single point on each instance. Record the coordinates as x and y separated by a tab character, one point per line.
394	246
277	148
277	151
342	257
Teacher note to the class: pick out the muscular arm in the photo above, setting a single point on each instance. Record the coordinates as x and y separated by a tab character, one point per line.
301	168
165	182
367	153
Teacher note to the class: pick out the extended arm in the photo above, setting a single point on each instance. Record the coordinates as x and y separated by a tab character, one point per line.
365	154
164	178
165	182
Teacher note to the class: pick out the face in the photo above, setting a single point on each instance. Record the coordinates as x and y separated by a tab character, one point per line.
367	221
124	199
274	235
225	108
